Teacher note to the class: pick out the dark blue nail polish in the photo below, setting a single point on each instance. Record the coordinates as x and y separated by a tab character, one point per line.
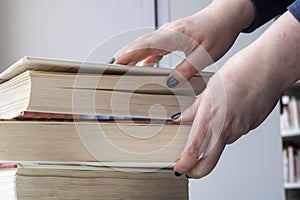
177	174
176	116
172	82
111	61
187	176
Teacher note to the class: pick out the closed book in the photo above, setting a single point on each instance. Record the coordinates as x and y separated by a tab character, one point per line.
52	86
139	143
80	182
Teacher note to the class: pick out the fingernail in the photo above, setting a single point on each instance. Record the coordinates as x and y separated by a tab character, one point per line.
176	116
187	176
172	82
111	61
177	174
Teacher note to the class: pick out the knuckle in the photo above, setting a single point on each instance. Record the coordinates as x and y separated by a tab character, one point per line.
174	25
166	25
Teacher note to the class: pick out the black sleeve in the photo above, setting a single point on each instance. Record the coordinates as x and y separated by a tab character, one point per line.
295	9
266	10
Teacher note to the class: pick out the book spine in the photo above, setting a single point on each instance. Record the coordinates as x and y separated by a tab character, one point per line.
292	164
285	165
294	113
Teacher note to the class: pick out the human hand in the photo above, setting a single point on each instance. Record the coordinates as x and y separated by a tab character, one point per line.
240	96
203	37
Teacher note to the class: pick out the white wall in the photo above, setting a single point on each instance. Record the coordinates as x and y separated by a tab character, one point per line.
68	29
251	168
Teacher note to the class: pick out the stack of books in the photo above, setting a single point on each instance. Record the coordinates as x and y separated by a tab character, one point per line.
77	130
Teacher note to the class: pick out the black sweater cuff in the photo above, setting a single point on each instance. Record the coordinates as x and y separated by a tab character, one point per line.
266	10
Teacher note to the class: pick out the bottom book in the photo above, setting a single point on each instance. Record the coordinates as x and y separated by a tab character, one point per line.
50	182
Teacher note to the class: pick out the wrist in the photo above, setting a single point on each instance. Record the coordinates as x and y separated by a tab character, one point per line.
237	14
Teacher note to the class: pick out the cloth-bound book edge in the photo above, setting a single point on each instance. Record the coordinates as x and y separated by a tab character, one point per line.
60	116
40	116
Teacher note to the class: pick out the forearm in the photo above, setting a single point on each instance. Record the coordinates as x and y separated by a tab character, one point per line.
235	14
277	52
265	68
282	43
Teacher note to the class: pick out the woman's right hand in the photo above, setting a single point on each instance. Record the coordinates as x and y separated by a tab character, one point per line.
204	37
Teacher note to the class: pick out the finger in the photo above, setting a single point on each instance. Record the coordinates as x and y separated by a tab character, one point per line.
200	134
151	60
192	153
198	139
159	42
195	61
140	49
138	55
132	63
189	114
206	164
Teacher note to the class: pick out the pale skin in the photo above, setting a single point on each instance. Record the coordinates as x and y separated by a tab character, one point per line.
242	93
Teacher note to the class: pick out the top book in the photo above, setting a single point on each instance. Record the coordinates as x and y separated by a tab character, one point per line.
68	66
69	87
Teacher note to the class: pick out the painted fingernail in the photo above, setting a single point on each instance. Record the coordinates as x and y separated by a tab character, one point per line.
172	82
111	61
177	174
176	116
187	176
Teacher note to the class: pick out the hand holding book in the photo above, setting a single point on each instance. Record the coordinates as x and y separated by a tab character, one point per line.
202	37
199	38
242	94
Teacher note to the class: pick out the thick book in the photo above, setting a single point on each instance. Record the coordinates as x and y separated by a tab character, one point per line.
19	182
53	86
152	144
